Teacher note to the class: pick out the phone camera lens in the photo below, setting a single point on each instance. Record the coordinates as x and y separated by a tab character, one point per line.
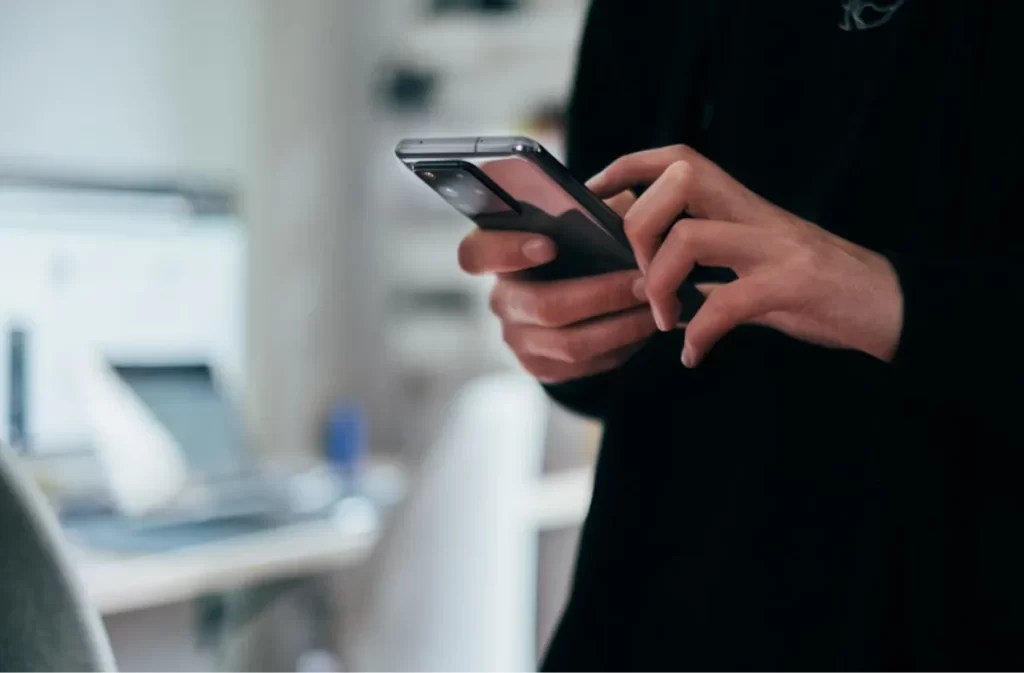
428	175
449	191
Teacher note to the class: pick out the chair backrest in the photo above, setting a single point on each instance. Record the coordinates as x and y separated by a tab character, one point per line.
45	625
454	583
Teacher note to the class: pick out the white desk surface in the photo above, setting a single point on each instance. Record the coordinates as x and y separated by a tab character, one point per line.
123	583
118	583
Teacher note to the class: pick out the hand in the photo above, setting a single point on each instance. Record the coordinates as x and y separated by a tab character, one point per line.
559	330
792	275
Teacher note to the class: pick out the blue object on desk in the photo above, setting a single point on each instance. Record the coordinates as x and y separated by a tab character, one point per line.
346	438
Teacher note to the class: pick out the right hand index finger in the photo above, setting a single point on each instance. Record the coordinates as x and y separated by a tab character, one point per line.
504	251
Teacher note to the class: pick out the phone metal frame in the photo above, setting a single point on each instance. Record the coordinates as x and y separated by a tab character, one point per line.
413	151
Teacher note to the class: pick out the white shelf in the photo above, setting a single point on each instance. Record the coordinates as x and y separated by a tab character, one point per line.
465	42
532	52
425	255
522	89
493	73
436	343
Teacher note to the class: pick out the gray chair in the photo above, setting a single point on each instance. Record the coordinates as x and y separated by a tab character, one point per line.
45	625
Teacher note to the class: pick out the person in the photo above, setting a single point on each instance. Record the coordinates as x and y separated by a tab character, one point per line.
822	469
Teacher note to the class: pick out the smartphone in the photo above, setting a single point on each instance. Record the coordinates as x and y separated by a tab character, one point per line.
514	184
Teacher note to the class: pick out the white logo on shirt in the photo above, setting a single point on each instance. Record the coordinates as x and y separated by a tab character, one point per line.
866	14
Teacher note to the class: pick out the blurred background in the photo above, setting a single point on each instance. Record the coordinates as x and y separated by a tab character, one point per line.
277	423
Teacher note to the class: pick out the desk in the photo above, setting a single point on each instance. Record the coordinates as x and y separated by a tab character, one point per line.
119	583
147	600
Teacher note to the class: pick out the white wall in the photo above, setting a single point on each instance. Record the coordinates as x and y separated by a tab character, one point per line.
135	90
147	88
314	293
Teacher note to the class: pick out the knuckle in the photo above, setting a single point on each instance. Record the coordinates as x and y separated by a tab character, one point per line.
684	150
522	302
684	234
546	308
680	173
658	286
531	305
569	347
692	157
545	311
632	224
718	311
725	311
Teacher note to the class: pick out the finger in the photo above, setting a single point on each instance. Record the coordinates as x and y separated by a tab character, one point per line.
705	289
547	370
639	168
658	208
621	202
504	251
737	302
691	242
581	342
717	195
564	302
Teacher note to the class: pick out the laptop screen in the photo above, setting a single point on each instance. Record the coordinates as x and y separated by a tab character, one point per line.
185	398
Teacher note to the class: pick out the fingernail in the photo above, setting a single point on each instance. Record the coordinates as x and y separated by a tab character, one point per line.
539	250
640	289
659	320
687	356
594	180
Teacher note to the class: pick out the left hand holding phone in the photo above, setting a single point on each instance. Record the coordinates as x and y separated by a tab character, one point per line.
564	329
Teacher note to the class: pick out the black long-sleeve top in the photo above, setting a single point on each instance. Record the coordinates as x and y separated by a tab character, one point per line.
785	506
